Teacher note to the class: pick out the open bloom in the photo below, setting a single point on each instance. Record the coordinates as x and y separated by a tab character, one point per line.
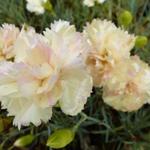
70	55
8	36
109	45
47	70
20	96
128	87
24	91
36	6
91	3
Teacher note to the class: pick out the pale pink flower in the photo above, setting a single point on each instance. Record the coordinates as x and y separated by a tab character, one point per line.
47	70
8	35
19	94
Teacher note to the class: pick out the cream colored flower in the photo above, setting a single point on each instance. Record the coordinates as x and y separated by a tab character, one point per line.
128	87
109	45
8	35
36	6
27	86
91	3
19	95
47	70
73	47
70	54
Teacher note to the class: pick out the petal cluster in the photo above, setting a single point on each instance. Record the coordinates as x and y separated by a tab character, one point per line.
128	87
60	67
8	35
125	79
109	46
46	70
36	6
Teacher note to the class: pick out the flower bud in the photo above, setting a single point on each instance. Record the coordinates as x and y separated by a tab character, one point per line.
60	138
141	41
125	18
24	140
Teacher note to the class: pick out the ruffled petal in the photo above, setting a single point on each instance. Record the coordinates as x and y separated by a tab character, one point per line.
128	87
72	45
76	86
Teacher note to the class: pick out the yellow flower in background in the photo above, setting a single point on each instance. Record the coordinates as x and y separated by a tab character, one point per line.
8	36
36	6
46	70
109	45
128	87
91	3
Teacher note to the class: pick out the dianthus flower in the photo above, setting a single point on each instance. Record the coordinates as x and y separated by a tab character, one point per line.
46	70
128	87
109	45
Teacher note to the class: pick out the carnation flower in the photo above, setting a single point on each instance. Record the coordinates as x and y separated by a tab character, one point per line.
20	96
70	54
47	70
109	45
128	87
36	6
8	35
91	3
29	81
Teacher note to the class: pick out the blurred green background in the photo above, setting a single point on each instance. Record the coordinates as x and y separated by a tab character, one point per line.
104	128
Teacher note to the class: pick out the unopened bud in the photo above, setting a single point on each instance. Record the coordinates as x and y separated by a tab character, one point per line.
60	138
125	18
24	141
141	41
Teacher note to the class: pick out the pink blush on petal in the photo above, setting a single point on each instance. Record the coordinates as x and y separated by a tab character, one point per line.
51	101
45	49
